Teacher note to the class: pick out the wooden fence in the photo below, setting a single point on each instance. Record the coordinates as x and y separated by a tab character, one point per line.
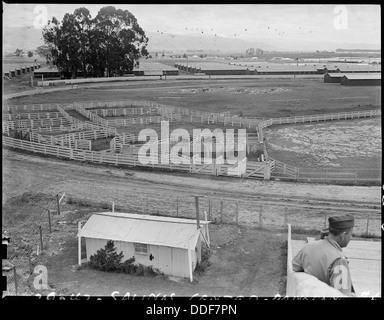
326	117
88	114
33	116
142	121
35	124
254	169
33	107
122	112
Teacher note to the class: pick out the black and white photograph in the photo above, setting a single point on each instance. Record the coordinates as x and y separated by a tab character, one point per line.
200	151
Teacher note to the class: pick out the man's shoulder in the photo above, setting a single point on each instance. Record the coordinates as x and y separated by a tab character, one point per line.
322	245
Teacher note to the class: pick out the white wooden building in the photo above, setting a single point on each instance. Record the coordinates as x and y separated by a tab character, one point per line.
171	245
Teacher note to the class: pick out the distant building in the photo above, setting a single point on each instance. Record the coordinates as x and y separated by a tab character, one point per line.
359	68
333	77
370	79
155	69
47	73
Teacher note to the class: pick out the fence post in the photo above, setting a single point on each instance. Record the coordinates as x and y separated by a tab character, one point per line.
41	238
197	212
177	206
325	221
49	220
285	217
147	204
58	204
261	217
29	259
237	212
209	209
221	211
367	224
15	274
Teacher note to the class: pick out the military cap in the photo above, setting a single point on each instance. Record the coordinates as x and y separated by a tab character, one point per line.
342	222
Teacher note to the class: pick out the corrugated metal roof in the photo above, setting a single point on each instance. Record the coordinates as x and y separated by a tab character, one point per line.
335	75
214	66
285	68
352	68
155	230
154	66
363	76
46	70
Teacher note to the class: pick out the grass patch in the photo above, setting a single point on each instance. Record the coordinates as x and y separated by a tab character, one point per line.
101	144
79	202
30	198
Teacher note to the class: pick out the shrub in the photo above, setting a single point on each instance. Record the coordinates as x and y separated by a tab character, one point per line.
128	266
106	259
204	262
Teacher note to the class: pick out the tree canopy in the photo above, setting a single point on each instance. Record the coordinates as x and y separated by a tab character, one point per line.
110	43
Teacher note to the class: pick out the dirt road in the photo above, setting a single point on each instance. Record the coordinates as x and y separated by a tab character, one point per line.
305	205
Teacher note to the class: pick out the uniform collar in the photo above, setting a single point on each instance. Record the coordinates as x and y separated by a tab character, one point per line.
334	243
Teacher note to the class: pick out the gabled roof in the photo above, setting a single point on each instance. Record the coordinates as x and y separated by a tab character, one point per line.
335	75
352	68
285	68
363	76
214	66
155	230
153	66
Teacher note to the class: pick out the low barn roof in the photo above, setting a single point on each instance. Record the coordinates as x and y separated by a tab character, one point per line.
354	67
335	75
47	70
155	230
362	76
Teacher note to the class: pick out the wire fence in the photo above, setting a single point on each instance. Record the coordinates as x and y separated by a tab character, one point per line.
271	215
27	247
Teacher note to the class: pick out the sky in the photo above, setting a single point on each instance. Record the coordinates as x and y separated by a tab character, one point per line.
345	23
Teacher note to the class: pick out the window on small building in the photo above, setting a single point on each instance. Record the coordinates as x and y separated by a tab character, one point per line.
141	248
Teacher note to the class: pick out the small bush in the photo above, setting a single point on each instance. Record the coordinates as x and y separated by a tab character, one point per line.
105	205
128	266
106	259
204	262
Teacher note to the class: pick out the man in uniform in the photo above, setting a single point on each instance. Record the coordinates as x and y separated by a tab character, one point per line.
324	258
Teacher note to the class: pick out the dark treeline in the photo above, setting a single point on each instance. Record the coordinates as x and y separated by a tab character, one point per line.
107	45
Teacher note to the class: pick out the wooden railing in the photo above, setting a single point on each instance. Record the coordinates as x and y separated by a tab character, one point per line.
125	159
326	117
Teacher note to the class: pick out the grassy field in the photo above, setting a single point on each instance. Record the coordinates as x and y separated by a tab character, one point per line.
226	95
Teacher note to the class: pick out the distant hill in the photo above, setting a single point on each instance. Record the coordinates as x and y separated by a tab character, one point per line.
21	38
30	38
174	42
